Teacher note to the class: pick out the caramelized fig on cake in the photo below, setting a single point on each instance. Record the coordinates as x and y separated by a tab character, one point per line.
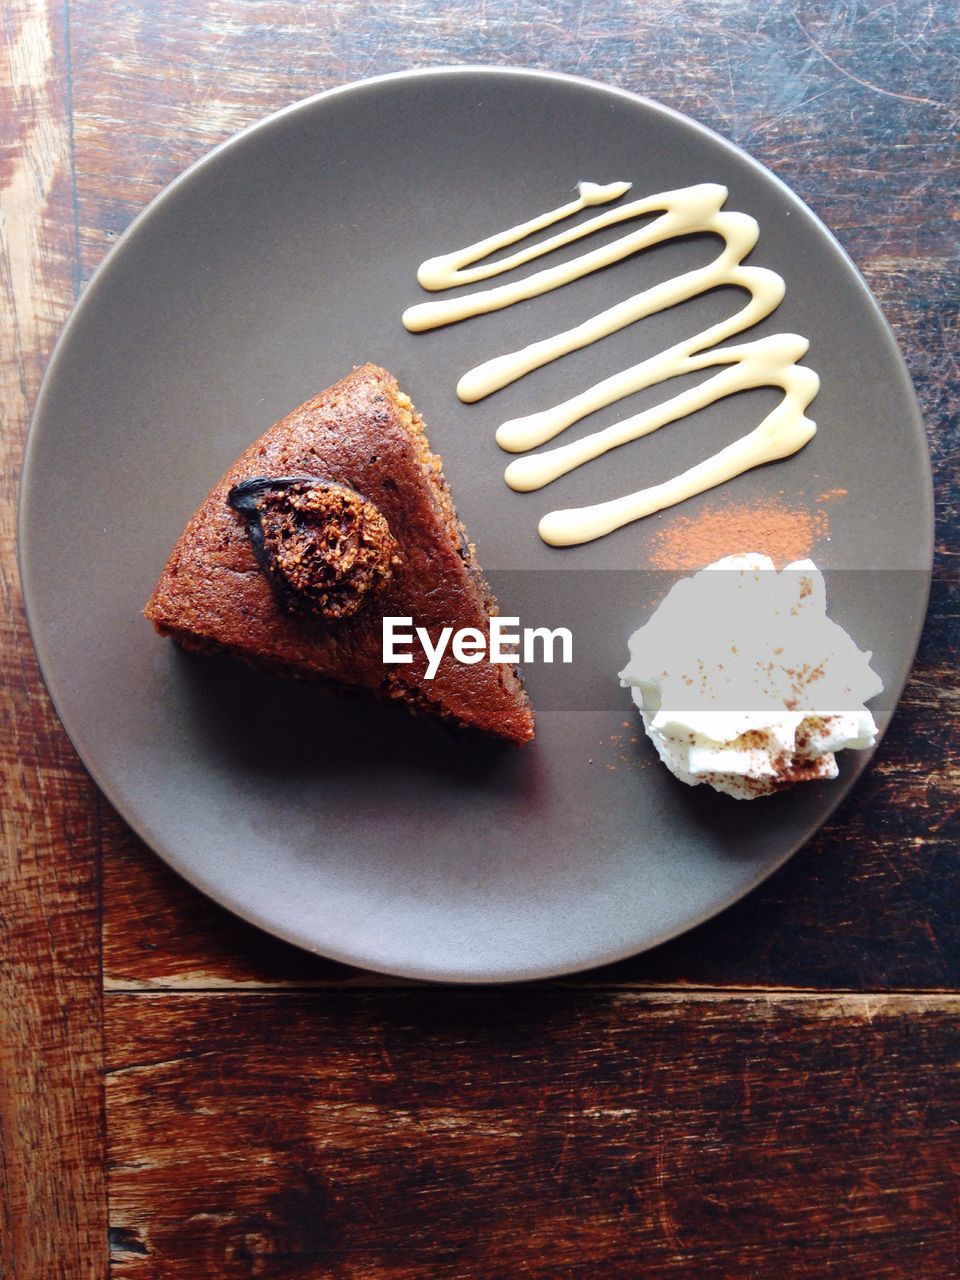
324	548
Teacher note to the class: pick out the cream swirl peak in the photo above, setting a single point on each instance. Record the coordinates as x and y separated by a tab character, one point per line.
763	362
743	681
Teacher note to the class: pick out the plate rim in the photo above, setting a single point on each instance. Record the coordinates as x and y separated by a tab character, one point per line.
159	847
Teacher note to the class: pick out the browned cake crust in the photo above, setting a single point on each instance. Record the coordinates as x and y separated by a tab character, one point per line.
362	432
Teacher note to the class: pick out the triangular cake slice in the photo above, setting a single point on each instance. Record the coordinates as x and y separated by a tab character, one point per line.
339	516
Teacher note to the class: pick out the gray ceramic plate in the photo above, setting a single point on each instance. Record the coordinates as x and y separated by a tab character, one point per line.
266	272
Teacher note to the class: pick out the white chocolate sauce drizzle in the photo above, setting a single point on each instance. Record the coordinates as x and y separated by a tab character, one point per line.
762	362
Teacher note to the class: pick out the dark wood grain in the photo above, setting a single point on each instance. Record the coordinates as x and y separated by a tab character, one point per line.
52	1194
532	1133
365	1128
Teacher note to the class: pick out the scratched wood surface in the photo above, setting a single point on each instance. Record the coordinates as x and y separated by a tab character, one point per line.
52	1206
774	1093
488	1134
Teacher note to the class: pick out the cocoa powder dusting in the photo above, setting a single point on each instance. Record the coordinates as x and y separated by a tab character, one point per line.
772	528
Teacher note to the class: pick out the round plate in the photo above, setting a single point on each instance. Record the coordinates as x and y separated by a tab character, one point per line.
264	273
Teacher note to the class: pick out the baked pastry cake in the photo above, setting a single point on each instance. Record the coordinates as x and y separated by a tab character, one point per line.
339	516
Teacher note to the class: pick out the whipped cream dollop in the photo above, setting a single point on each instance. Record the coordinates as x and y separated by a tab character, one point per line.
744	683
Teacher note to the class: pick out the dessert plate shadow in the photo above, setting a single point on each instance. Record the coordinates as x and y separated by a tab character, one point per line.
265	273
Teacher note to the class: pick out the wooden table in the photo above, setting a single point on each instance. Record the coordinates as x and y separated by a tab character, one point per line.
774	1094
